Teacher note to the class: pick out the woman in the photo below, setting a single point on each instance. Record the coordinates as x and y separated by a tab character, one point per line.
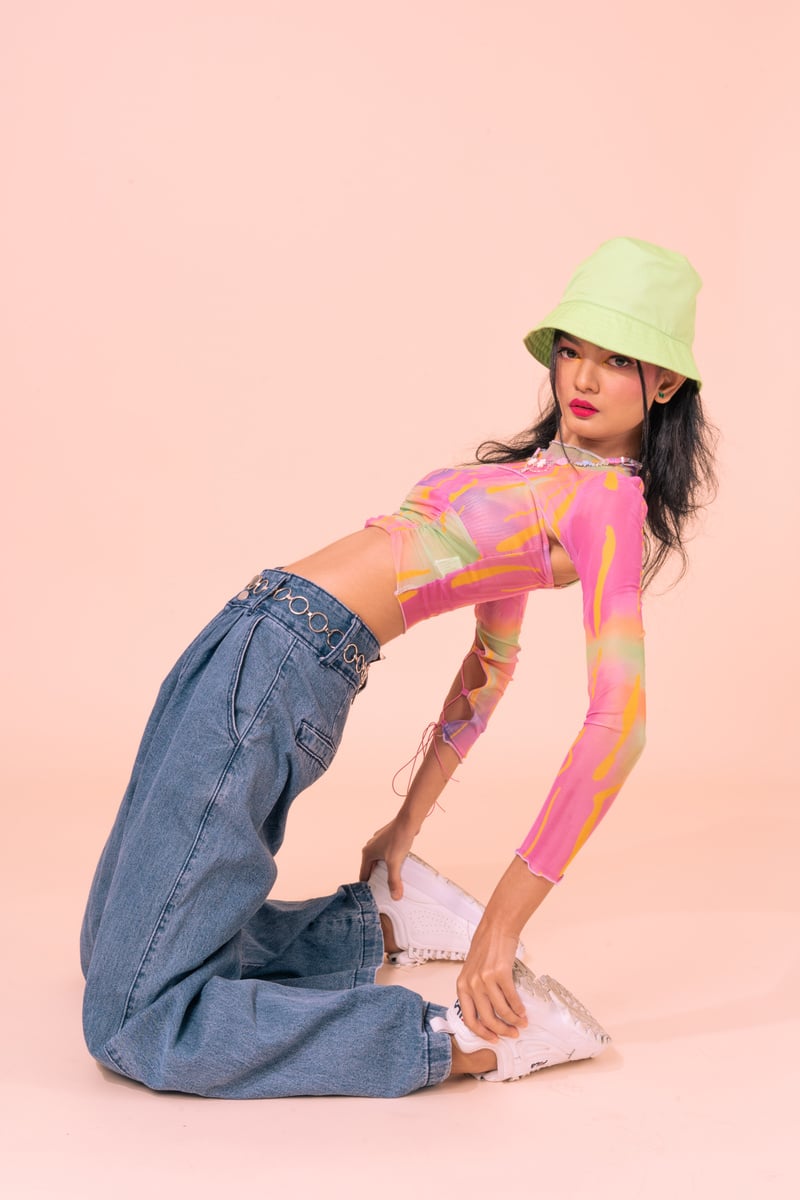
194	982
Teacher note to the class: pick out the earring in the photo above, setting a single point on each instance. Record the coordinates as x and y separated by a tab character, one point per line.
661	395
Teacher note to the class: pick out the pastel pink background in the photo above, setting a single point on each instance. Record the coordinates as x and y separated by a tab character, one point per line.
264	264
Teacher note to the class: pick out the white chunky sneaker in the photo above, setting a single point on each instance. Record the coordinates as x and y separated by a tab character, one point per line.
560	1029
435	918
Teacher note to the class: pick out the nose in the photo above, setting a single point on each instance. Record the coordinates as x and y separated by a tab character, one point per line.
586	376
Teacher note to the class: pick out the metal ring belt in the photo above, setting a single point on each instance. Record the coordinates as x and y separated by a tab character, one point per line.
317	621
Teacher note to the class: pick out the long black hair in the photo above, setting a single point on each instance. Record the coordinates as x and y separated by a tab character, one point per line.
677	456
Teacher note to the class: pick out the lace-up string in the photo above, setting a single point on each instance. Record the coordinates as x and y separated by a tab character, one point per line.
428	733
427	739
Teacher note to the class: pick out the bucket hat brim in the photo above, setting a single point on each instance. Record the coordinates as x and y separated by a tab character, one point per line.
630	297
614	331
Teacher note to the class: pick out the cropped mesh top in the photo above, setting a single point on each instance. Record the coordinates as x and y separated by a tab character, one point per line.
478	535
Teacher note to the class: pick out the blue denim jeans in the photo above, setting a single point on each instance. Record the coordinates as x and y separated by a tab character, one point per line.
195	982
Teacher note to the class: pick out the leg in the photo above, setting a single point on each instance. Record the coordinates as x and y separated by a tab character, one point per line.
329	943
251	716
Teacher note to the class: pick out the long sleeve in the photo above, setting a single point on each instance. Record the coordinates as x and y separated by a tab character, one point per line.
603	534
495	652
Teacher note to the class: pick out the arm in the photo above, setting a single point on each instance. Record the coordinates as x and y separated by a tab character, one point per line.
490	1004
473	696
392	842
603	537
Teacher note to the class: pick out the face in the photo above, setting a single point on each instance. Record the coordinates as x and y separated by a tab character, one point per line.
600	396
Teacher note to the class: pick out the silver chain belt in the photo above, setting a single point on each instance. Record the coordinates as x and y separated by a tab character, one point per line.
317	621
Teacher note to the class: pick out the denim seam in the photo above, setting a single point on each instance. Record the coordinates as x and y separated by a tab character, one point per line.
187	657
163	915
119	1062
168	904
371	934
326	741
165	911
315	646
439	1062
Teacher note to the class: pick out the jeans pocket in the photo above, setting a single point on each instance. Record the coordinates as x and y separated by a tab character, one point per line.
258	667
315	744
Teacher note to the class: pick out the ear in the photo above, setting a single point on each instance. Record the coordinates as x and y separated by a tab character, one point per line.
668	385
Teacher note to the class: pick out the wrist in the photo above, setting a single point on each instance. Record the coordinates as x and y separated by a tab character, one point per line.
411	817
420	801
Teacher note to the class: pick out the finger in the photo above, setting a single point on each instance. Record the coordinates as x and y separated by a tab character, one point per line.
394	879
470	1017
367	863
488	1008
490	1020
478	1008
507	1005
473	1012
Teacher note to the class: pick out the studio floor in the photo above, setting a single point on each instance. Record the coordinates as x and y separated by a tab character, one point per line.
696	1096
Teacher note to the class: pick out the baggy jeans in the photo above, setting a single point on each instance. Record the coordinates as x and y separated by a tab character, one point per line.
194	981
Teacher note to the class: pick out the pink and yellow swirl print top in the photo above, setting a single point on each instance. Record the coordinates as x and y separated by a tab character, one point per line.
478	535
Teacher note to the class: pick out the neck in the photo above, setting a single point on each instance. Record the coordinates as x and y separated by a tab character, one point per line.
582	452
579	449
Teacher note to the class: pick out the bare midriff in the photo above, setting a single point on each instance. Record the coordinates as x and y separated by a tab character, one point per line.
359	570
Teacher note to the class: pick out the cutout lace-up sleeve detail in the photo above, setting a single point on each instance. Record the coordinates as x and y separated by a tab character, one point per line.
485	672
603	535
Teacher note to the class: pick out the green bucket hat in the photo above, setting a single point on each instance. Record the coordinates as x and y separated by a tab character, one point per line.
631	297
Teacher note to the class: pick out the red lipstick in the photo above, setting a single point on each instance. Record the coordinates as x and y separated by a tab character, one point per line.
582	408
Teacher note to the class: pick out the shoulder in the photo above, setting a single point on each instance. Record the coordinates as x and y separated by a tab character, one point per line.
465	474
609	509
610	495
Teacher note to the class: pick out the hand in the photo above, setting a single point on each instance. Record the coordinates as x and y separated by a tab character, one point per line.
490	1004
391	845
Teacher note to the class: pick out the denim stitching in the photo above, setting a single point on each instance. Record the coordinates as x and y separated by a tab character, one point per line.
307	749
168	904
233	732
329	663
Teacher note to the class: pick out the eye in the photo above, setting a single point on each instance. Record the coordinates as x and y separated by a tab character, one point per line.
567	352
619	360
